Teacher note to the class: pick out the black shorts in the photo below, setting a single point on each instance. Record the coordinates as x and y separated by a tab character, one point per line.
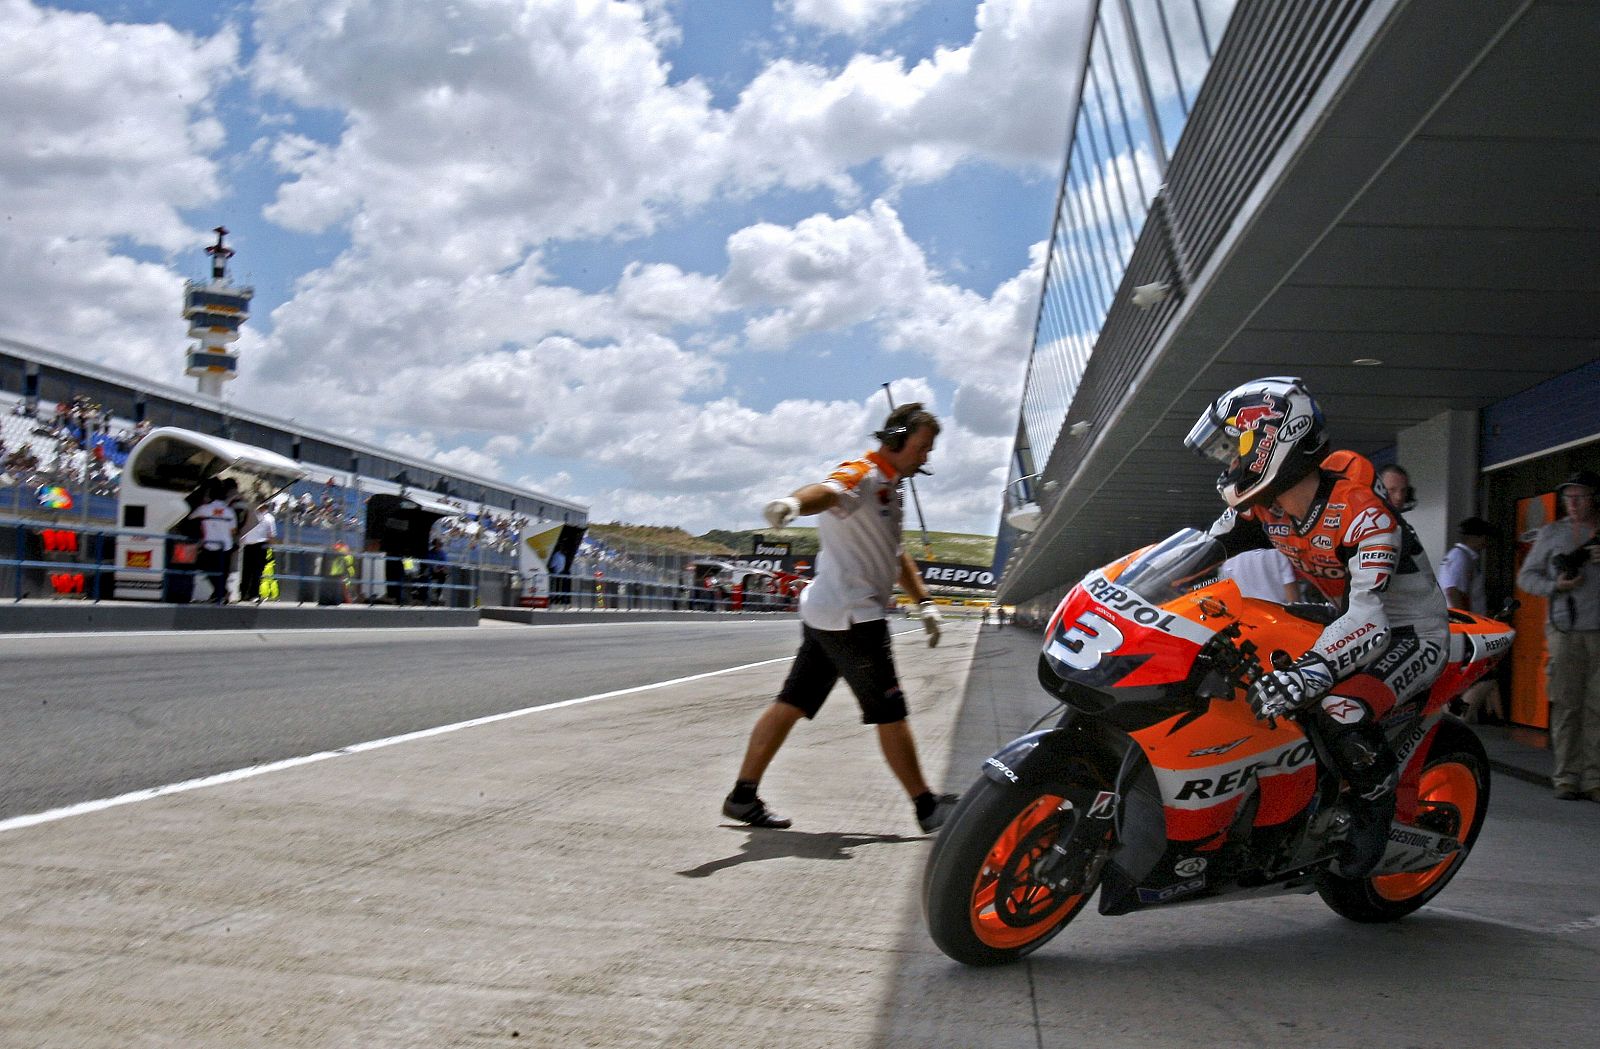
861	656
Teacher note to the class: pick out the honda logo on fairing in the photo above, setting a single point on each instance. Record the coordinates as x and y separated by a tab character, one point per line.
1220	748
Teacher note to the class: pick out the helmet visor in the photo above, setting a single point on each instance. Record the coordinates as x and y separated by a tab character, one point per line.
1212	440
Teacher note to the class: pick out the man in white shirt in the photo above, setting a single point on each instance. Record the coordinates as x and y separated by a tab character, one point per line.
845	633
253	556
1461	577
217	529
1263	574
1461	572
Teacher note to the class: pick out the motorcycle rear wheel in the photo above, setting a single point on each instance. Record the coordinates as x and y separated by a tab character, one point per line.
1452	798
981	904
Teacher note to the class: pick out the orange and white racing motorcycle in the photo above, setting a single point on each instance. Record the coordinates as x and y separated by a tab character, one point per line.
1159	786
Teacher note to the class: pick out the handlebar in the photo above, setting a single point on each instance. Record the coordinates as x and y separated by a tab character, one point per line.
1239	664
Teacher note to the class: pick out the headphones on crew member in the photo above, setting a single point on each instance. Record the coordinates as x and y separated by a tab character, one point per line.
893	438
1407	501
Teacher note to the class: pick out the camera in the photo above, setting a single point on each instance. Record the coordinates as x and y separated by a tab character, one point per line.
1570	564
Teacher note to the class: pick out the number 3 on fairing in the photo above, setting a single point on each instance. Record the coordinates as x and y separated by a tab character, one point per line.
1082	645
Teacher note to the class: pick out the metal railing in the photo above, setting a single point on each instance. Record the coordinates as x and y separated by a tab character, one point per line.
61	558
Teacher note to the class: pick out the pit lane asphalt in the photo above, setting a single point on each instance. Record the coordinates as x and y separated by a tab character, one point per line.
562	879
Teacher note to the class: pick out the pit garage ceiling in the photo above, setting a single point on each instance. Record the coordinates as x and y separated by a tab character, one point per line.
1438	211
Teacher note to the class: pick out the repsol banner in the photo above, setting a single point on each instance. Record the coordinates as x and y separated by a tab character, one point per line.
796	565
966	577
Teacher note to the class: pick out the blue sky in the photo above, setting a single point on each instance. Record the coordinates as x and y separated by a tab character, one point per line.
656	256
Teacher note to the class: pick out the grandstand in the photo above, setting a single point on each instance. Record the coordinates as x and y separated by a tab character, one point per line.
34	382
66	426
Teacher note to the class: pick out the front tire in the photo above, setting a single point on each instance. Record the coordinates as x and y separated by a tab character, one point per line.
981	903
1452	798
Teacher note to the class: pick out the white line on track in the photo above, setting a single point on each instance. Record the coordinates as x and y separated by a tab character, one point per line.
83	808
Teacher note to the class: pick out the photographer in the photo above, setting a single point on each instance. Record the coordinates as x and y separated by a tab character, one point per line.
1561	569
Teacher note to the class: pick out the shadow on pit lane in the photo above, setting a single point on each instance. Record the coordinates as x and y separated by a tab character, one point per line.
802	845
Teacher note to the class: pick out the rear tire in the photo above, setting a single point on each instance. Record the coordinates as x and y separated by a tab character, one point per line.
981	904
1452	798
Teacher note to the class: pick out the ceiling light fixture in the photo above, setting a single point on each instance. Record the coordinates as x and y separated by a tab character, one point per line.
1366	362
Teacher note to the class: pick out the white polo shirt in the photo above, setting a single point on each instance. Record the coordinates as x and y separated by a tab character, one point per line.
1461	570
860	539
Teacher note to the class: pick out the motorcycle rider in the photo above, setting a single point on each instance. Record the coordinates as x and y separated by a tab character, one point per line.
1327	512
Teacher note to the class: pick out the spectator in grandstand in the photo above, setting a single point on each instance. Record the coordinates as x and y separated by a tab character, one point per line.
22	462
218	528
844	632
255	543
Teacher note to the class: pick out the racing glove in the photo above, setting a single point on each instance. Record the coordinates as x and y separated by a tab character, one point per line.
1297	686
930	621
780	512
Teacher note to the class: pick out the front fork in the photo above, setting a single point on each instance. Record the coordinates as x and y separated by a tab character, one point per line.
1073	864
1098	761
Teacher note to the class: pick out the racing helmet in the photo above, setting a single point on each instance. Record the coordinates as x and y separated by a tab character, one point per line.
1268	434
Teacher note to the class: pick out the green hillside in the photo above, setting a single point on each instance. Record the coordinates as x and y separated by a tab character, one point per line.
950	547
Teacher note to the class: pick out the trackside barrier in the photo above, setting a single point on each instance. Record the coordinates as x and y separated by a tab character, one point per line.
42	558
72	560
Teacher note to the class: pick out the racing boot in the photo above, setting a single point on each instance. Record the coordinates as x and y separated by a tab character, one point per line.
1368	838
1369	766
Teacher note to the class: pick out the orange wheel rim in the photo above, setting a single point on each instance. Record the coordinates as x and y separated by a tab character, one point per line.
1052	909
1449	783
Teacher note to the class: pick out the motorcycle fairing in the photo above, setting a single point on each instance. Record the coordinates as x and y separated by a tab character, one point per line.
1206	767
1104	636
1477	644
1111	759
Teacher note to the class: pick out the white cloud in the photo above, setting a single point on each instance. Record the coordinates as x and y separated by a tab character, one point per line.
803	125
663	295
425	446
824	273
474	130
850	17
829	274
518	367
109	135
470	137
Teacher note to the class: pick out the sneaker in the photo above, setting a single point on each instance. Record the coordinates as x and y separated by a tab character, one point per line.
754	813
1567	794
943	806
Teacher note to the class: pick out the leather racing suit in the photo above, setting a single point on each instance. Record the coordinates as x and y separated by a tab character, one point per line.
1389	641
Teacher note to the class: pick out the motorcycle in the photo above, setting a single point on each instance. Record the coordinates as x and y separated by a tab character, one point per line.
1159	786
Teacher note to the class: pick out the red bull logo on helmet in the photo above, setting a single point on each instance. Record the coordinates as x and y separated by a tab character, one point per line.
1252	416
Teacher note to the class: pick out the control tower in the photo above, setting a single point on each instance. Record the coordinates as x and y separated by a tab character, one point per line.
215	311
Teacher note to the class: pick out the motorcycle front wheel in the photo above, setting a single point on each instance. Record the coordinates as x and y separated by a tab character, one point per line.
1452	798
982	903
